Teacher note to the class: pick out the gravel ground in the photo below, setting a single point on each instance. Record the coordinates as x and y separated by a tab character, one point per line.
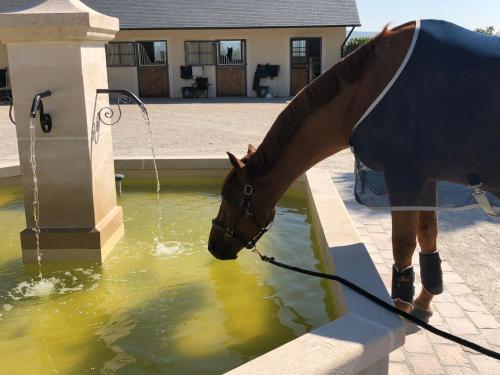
469	240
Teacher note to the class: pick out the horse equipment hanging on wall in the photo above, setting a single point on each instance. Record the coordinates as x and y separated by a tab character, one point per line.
431	140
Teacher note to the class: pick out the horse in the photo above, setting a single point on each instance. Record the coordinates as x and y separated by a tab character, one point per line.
415	148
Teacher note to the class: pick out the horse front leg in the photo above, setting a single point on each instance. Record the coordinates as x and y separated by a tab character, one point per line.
430	264
404	233
405	189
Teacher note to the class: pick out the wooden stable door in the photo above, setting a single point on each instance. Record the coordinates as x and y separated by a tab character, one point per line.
231	81
305	61
231	68
152	69
300	78
153	81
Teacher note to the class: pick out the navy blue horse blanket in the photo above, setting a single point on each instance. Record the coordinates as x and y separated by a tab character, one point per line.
435	130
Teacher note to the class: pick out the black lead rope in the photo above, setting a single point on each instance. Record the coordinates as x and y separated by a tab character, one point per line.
385	305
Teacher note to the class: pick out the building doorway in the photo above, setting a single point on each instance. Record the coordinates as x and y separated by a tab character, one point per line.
231	68
305	61
152	69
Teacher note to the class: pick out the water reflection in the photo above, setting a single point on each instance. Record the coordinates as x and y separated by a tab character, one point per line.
249	312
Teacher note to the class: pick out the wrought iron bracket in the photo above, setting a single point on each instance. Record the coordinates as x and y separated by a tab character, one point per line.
37	106
106	114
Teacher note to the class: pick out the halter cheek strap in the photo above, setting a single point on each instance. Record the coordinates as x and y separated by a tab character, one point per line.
229	232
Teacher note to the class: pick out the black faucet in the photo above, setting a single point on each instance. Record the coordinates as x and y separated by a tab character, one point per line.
45	118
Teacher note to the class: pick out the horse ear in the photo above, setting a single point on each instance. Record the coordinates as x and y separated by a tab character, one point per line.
251	150
235	162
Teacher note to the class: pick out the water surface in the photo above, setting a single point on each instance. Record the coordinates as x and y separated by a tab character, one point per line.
161	304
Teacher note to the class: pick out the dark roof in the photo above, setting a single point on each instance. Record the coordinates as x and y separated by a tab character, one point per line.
217	14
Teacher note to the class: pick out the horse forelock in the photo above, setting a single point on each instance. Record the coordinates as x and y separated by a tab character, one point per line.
314	96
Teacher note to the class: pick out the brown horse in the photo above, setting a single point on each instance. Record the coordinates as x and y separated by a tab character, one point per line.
318	123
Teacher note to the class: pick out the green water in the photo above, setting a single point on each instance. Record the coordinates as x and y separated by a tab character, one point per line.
161	304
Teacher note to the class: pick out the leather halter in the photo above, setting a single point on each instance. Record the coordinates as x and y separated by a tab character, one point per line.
229	232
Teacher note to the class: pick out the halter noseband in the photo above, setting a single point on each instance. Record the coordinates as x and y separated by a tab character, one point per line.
229	232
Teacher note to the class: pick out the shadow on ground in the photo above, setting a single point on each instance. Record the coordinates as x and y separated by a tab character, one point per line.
228	100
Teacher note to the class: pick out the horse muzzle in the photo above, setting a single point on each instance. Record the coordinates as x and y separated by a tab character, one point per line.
221	249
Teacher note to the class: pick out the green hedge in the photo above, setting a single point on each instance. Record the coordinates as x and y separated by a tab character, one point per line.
490	30
355	43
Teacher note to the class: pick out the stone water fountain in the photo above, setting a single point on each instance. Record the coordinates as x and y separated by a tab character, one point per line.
58	45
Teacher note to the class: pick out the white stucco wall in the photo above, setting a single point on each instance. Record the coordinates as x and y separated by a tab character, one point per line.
3	56
262	45
124	78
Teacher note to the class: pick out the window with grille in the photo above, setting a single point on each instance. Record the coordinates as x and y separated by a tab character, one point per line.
231	52
299	52
120	54
152	53
199	53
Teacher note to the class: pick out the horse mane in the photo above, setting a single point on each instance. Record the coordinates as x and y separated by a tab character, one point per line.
314	96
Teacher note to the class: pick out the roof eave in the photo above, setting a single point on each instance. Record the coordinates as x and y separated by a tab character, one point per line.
239	27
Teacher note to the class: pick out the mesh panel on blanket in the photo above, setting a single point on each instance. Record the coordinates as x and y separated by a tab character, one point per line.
371	190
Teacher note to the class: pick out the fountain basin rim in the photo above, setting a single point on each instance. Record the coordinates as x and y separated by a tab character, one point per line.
360	340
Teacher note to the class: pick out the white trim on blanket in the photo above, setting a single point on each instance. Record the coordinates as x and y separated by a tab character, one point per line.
424	208
396	76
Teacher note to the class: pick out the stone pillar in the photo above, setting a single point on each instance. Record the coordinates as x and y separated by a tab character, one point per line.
59	46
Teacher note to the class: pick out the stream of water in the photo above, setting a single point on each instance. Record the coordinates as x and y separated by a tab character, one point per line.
44	287
36	202
147	122
39	287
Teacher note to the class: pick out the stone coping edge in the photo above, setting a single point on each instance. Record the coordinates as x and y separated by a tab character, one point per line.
177	166
12	170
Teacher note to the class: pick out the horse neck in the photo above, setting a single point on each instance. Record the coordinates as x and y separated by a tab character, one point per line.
327	130
323	133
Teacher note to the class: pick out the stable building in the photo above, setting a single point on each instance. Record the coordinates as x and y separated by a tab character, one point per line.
164	48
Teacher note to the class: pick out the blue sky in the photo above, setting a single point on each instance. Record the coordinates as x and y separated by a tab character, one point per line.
375	14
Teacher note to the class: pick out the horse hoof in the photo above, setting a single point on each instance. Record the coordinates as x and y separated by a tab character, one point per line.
421	314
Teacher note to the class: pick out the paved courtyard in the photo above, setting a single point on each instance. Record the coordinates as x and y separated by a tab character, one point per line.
469	241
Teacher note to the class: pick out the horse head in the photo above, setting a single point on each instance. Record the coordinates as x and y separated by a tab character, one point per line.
245	213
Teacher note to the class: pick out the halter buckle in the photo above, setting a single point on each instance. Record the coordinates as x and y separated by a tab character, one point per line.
248	190
228	232
268	226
